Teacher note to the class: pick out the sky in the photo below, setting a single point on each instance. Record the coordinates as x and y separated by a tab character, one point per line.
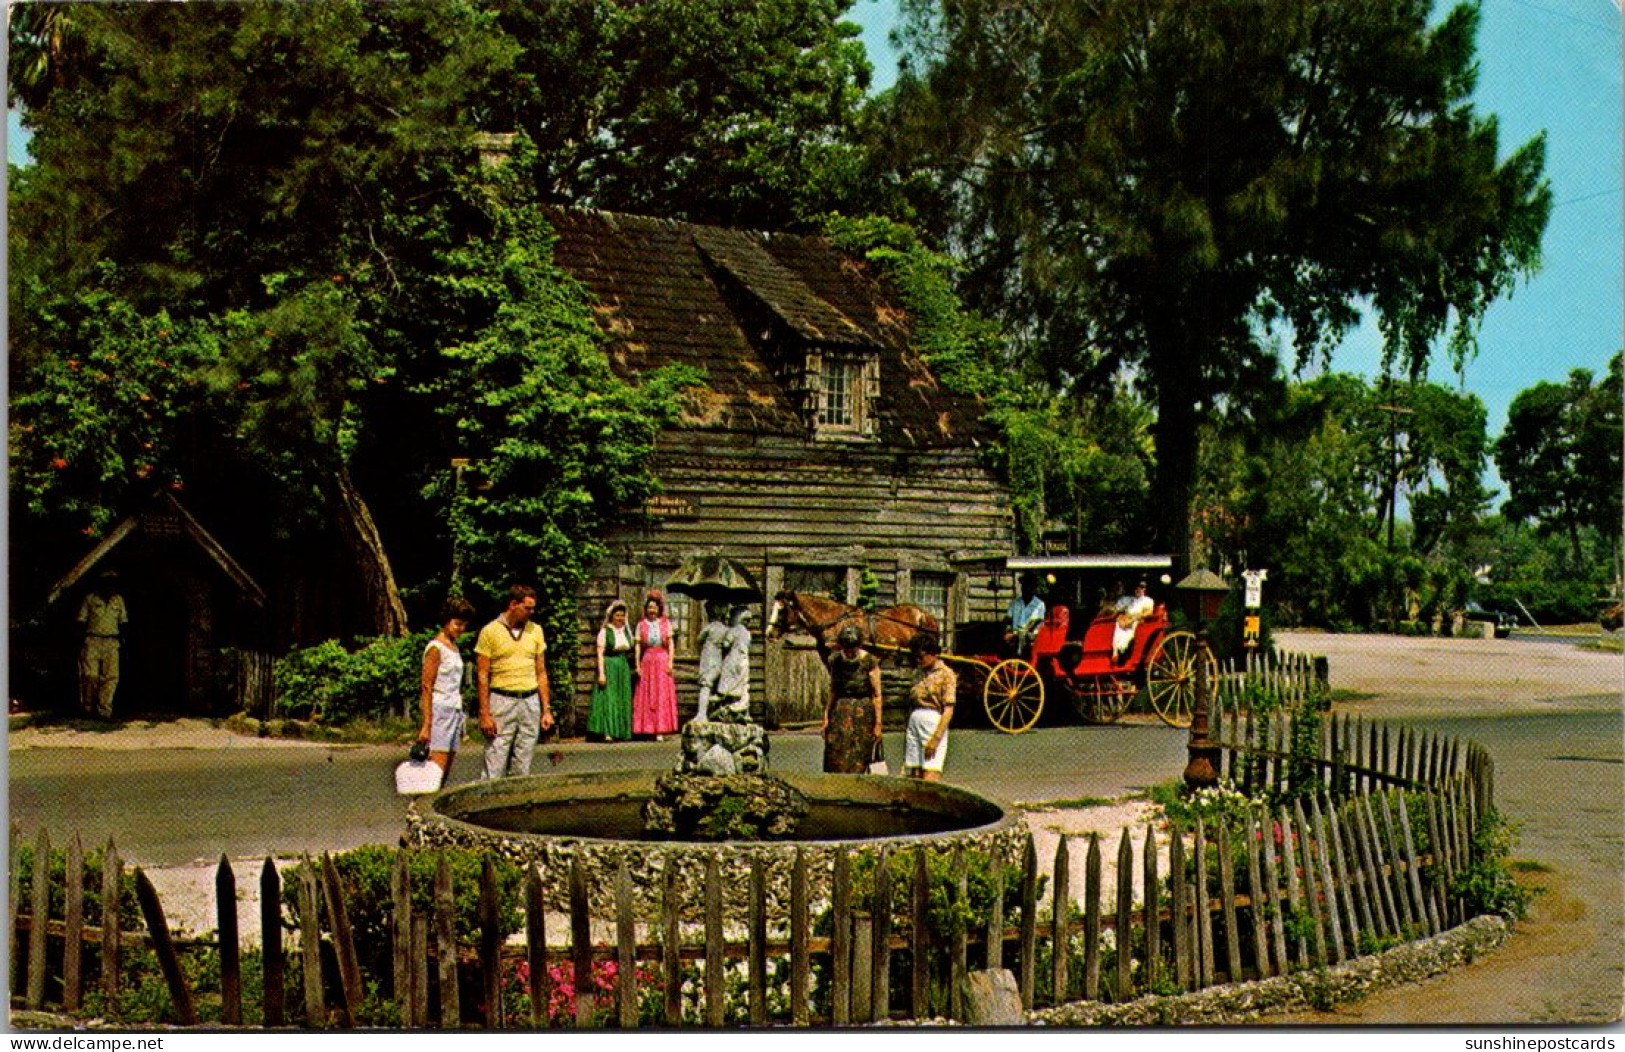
1552	65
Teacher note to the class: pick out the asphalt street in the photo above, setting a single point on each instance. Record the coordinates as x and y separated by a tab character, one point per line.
172	806
1550	717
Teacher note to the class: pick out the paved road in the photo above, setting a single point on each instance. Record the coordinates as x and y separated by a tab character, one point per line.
1550	716
177	805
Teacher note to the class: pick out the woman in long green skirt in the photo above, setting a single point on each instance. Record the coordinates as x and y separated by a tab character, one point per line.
610	715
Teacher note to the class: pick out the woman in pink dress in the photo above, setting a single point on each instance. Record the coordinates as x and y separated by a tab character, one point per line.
654	703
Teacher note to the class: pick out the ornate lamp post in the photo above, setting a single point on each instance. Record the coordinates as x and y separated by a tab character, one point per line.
1202	771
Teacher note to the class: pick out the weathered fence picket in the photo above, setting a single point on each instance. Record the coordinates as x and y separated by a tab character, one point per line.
1061	901
626	945
880	951
800	955
39	913
1258	906
271	963
1227	904
536	942
225	904
1182	940
841	939
1151	890
310	946
73	923
163	945
1029	923
1123	987
959	935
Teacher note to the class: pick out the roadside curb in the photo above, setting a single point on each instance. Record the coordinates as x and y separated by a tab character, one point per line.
1304	990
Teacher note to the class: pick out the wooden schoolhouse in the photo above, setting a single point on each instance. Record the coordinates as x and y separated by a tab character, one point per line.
823	454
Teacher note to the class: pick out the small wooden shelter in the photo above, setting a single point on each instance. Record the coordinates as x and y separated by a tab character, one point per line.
196	639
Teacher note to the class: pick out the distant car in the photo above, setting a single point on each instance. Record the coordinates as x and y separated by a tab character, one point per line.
1613	617
1503	621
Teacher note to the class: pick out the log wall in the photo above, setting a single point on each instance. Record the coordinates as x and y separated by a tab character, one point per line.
777	504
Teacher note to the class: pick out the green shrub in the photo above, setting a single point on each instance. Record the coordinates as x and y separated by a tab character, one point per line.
331	683
941	911
1486	882
22	863
365	875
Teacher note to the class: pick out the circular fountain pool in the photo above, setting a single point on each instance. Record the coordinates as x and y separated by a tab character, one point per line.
596	818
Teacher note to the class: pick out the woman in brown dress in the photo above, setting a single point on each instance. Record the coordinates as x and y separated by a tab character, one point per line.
852	717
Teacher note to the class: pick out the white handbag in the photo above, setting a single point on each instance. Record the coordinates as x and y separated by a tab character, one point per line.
877	759
417	777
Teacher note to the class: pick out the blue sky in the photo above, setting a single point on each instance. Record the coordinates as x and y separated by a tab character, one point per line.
1552	65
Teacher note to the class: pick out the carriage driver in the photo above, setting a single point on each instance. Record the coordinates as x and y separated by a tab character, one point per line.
1025	614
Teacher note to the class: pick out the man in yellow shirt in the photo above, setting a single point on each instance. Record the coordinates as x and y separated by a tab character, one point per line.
511	680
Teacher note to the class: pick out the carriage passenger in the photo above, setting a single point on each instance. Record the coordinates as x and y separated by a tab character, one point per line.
1130	611
1025	615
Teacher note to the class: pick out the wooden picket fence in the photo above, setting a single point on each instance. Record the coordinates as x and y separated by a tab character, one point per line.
1288	680
1364	856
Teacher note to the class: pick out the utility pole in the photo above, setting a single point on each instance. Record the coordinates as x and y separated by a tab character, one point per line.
1393	464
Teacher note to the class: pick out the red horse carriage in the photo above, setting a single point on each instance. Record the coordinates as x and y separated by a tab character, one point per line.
1068	656
1074	659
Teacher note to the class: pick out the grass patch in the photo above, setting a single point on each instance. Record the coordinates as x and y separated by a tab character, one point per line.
1345	694
1528	865
1071	803
1609	643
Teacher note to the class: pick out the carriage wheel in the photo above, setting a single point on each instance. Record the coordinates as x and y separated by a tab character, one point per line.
1013	696
1170	677
1101	700
1115	694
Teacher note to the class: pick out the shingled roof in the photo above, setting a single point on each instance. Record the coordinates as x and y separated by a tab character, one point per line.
727	301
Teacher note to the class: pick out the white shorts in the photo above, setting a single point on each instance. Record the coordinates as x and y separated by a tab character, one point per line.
446	728
921	725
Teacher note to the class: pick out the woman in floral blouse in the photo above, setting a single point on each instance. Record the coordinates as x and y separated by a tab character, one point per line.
925	744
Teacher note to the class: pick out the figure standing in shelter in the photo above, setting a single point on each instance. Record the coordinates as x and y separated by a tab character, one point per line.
713	639
1130	611
441	686
102	615
610	713
516	705
654	702
925	743
852	716
1024	616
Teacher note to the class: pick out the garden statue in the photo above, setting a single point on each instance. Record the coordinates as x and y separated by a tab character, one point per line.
720	790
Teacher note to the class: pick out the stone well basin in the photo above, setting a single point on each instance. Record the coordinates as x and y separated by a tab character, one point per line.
555	819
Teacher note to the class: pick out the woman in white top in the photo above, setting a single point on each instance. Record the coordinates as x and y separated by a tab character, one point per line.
442	685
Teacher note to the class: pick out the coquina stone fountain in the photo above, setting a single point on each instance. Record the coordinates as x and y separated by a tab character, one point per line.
668	824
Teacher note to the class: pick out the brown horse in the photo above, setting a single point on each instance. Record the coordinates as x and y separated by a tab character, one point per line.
893	628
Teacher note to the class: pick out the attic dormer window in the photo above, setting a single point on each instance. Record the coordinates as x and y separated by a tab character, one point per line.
841	395
846	389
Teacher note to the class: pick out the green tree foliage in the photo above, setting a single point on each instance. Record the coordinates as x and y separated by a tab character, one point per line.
1560	456
1534	573
710	110
1307	494
558	443
285	206
1075	461
1159	187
